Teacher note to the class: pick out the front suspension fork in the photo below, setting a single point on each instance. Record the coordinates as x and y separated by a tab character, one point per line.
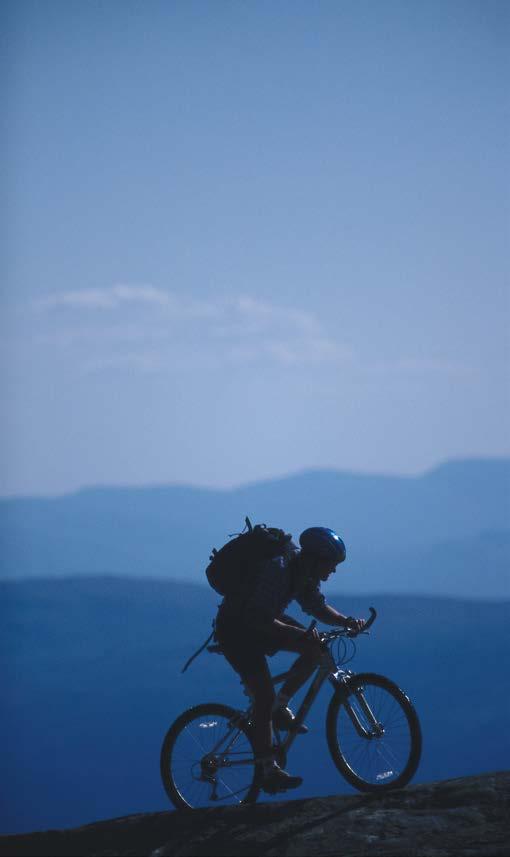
375	729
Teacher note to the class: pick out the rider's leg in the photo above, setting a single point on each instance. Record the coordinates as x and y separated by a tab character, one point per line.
301	669
245	652
299	673
261	688
274	779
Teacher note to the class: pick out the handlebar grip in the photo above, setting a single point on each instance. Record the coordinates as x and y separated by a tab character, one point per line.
373	617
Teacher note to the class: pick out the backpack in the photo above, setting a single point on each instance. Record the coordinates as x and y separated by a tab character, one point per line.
233	568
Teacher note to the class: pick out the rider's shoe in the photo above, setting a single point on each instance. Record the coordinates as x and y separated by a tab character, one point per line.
284	720
277	780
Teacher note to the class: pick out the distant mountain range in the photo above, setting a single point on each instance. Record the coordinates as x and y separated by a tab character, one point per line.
446	532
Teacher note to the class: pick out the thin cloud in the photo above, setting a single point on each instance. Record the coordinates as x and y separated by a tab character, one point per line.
264	312
120	297
103	299
106	329
175	332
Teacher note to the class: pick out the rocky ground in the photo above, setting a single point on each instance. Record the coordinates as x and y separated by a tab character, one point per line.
456	818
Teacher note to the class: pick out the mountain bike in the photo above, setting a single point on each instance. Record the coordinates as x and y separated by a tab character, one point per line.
372	729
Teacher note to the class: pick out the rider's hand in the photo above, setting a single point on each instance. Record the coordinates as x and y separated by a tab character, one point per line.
311	642
354	625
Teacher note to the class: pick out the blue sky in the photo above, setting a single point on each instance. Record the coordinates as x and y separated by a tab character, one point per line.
247	238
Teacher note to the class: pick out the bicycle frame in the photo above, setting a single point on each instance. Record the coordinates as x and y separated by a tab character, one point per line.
327	669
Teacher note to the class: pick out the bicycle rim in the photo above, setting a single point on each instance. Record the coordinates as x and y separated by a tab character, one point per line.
379	752
206	760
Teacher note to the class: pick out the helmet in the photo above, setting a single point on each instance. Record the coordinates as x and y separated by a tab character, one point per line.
323	543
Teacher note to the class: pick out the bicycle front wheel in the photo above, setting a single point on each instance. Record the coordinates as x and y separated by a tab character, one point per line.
207	759
373	733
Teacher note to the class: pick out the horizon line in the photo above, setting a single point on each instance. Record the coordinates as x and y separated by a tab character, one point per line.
236	486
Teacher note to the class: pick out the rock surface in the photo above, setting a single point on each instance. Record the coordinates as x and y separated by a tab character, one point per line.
468	817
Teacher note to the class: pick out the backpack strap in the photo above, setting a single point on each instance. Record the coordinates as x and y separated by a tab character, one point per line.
200	650
247	527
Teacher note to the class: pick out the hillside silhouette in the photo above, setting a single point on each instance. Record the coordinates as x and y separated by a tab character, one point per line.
467	816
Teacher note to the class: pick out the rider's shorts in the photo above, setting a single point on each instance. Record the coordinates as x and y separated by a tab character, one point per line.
246	648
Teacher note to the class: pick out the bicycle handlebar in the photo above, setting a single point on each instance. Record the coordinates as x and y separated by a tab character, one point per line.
369	622
342	631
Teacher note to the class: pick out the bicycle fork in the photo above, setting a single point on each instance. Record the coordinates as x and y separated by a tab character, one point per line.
375	729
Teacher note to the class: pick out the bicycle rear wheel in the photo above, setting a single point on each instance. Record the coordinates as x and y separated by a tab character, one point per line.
373	733
207	759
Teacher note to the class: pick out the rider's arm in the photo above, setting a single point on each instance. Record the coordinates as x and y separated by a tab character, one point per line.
313	602
330	616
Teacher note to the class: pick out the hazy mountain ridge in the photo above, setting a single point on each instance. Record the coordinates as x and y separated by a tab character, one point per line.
91	672
402	533
467	816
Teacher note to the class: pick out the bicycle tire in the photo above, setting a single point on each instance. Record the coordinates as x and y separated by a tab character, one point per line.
172	787
335	736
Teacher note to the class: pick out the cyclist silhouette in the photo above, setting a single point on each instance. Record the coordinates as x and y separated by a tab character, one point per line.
250	630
